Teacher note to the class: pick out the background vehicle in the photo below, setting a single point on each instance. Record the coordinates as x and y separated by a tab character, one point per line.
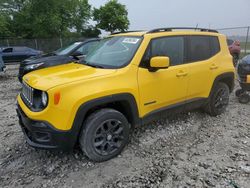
18	53
234	48
243	70
73	52
129	79
2	66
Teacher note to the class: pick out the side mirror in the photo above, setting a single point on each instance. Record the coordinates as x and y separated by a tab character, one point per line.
159	62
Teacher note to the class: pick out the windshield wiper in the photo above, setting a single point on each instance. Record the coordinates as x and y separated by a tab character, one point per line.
94	65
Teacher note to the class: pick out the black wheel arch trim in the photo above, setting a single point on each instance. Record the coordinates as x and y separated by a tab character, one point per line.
85	107
227	78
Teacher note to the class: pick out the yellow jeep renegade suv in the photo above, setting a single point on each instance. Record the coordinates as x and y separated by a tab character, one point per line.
127	80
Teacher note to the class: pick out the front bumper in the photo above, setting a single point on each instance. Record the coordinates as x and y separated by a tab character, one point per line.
41	134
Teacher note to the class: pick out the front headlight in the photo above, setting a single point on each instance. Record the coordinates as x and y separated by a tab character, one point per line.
34	66
44	98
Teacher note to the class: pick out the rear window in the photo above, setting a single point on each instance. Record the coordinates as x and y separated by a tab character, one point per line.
201	48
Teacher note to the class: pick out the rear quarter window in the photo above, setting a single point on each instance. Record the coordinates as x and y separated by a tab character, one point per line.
214	46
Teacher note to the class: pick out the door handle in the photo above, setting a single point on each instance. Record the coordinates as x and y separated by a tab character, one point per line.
181	73
213	67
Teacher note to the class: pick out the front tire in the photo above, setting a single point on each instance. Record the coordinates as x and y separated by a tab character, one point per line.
218	100
105	134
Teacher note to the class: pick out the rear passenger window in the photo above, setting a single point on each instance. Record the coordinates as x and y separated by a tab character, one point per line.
201	48
173	47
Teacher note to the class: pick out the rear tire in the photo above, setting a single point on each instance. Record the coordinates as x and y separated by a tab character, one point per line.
105	134
218	100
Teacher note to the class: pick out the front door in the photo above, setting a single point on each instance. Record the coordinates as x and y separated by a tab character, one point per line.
164	87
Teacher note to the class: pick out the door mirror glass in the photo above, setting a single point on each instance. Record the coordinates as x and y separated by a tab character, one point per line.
159	62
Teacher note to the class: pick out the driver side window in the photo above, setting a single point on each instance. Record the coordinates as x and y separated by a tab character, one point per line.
173	47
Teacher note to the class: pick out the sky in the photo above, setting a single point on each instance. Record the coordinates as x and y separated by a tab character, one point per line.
148	14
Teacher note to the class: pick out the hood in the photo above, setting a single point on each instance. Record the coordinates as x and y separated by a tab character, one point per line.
45	79
48	60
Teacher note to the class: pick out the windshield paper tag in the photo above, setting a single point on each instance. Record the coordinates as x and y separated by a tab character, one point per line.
130	40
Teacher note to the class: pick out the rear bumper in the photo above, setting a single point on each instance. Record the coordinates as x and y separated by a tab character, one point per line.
41	134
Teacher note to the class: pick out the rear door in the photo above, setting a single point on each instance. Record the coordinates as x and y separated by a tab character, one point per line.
201	58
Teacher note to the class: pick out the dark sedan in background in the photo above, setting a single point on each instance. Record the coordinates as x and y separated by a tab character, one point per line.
17	53
73	52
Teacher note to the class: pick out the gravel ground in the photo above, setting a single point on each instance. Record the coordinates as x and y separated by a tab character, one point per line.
189	150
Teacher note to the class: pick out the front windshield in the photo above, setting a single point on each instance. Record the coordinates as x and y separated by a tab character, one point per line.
65	50
113	52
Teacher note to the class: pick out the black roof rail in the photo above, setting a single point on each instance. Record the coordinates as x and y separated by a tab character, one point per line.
126	32
181	28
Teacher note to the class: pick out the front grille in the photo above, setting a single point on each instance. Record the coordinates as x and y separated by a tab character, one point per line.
28	94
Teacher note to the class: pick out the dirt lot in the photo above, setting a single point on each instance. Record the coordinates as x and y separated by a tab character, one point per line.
189	150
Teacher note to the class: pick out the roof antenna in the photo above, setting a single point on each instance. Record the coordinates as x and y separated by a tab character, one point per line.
196	26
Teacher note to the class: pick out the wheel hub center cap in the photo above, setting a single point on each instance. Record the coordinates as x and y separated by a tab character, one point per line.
109	137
